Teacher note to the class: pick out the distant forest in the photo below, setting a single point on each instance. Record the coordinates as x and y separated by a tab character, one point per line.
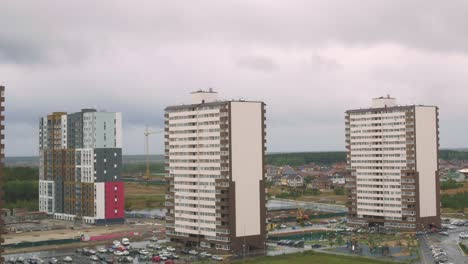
328	158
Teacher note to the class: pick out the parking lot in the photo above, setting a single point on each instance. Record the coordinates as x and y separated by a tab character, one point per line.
447	243
138	252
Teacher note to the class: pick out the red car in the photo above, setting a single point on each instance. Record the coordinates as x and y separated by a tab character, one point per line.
156	259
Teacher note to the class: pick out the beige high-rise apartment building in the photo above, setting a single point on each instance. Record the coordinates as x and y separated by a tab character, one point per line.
392	156
215	162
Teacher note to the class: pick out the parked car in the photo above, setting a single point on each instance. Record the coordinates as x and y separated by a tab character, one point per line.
298	244
102	250
154	239
94	258
205	254
143	252
156	259
67	259
193	252
316	246
125	241
170	249
185	251
53	261
217	258
444	233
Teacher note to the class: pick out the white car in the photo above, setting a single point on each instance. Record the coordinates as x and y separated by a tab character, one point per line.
92	252
463	235
170	249
144	252
102	250
116	242
125	253
205	254
125	241
94	258
67	259
218	258
118	253
154	239
193	252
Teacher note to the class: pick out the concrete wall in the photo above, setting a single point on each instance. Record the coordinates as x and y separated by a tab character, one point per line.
247	165
108	164
100	130
100	200
426	159
115	200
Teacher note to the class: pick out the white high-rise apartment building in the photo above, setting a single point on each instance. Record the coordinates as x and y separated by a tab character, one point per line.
215	162
392	156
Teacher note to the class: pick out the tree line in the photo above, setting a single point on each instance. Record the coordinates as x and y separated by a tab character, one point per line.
328	158
21	187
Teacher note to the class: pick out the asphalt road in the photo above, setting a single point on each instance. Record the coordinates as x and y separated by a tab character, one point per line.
448	243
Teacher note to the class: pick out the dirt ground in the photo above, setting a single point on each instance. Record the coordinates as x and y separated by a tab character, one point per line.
141	189
144	225
140	196
458	190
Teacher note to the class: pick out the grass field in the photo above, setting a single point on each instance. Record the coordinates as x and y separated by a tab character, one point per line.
326	196
311	257
457	190
141	196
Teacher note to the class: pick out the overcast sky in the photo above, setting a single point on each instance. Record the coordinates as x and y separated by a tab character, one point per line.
308	60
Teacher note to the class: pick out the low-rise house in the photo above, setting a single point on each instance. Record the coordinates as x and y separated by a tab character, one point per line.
292	181
322	183
337	179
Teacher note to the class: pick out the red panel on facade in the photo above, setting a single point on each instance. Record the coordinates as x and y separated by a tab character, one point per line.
115	200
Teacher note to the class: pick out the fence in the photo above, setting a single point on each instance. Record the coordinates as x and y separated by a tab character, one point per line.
304	236
43	243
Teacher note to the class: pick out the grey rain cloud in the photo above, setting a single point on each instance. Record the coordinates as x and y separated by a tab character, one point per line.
308	60
261	63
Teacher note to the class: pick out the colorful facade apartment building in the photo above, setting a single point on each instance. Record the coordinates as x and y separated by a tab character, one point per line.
393	168
80	171
215	163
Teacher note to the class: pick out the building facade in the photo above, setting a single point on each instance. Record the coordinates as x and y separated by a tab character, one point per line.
2	155
393	169
80	166
215	162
